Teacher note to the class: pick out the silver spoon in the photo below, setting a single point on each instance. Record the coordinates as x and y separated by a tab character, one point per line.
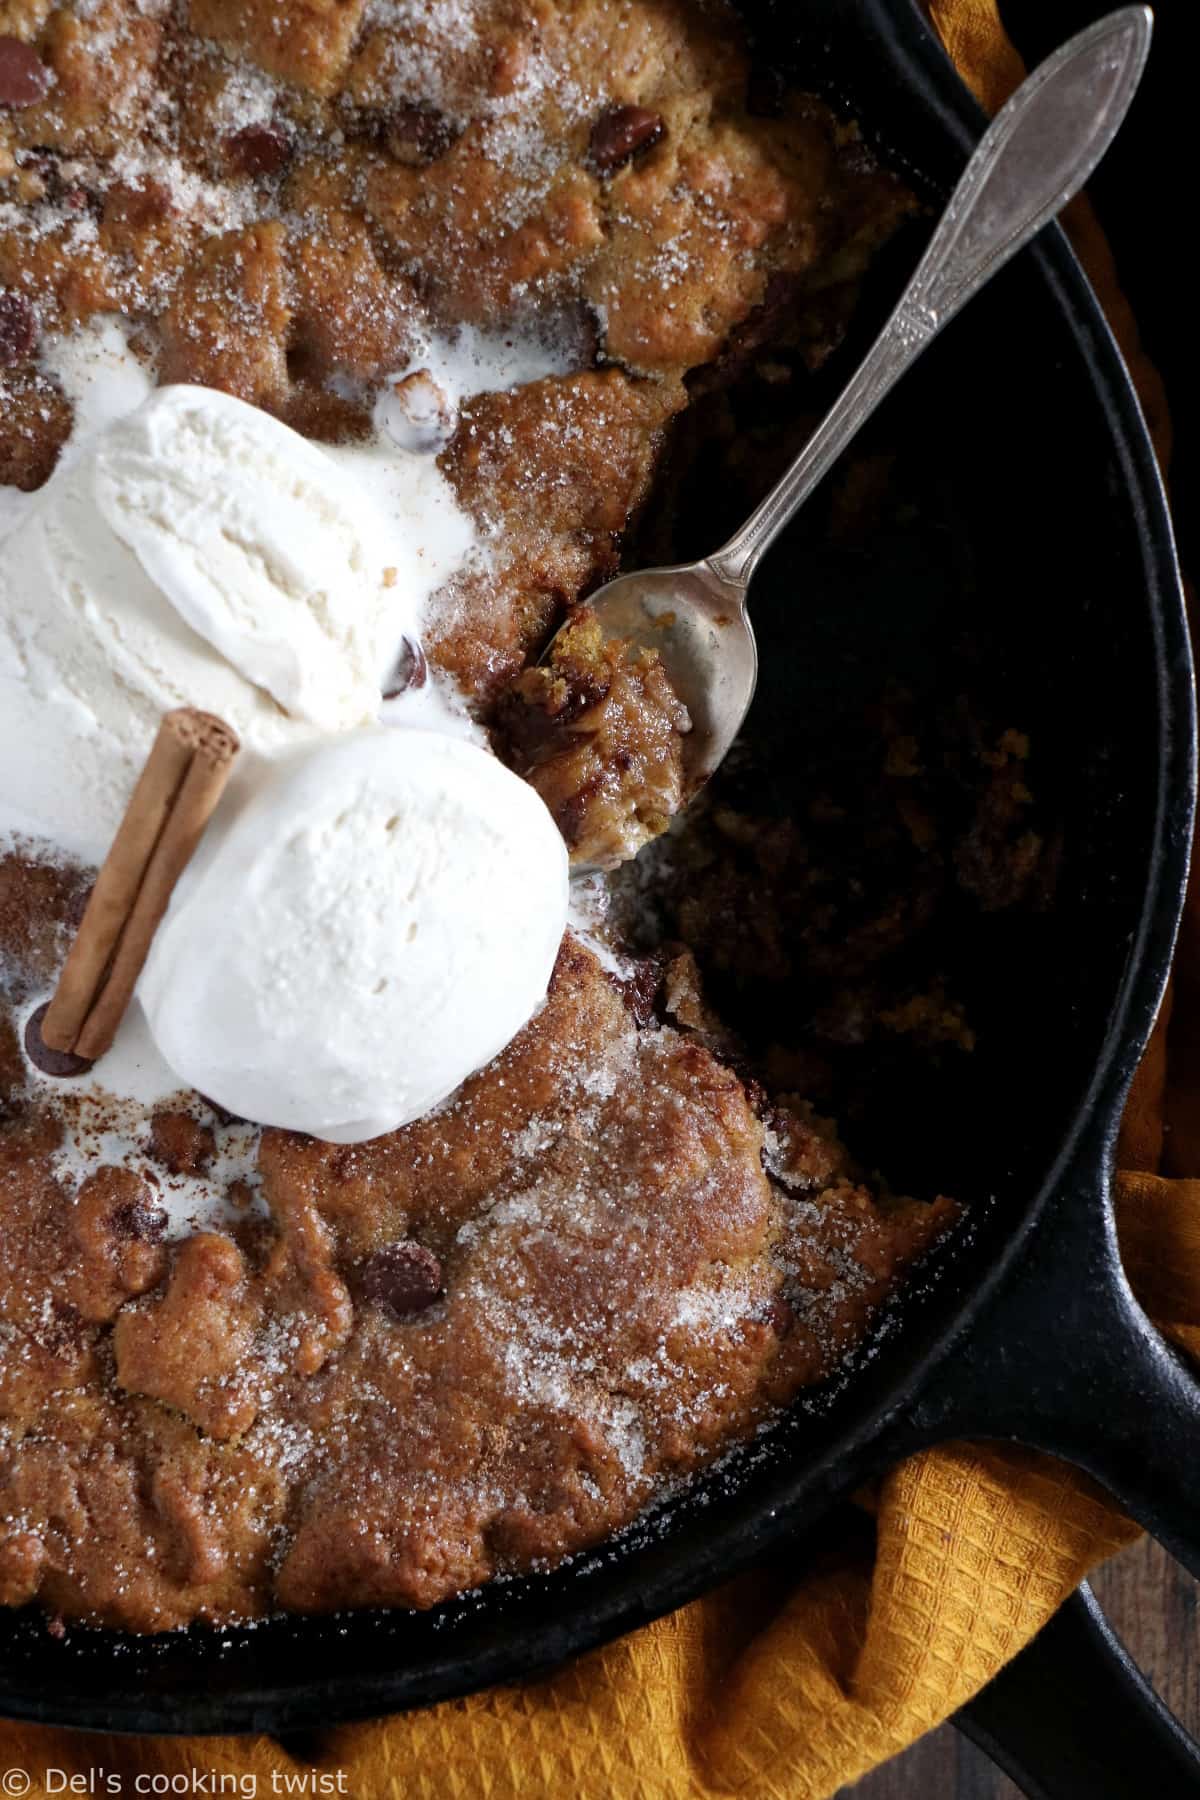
1035	156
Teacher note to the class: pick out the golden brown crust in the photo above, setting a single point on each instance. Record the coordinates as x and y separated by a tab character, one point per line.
305	42
262	182
551	472
214	1428
625	1259
229	318
598	731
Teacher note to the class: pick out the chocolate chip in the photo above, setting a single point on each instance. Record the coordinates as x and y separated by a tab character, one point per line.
24	77
258	150
417	135
50	1062
135	205
403	1278
142	1220
622	133
639	988
18	328
410	670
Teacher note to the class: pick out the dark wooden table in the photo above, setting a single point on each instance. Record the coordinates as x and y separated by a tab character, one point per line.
1152	1605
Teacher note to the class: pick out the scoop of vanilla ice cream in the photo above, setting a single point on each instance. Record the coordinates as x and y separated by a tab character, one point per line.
256	538
378	922
195	552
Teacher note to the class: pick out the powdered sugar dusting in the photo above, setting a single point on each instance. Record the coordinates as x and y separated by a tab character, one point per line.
639	1255
103	1132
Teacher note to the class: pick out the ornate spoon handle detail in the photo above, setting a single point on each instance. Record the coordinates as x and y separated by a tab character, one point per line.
1035	156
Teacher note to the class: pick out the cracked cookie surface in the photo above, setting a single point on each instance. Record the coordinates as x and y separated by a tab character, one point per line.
482	1343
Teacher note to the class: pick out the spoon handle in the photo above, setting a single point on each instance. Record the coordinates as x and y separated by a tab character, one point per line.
1034	157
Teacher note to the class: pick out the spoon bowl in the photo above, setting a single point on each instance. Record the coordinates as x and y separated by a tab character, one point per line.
697	623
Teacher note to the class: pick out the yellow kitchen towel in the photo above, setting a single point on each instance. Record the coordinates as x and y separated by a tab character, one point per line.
792	1681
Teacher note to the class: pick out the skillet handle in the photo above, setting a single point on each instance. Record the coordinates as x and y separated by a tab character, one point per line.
1063	1359
1073	1715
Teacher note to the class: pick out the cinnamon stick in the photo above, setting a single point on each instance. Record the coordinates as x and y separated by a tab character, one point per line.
172	803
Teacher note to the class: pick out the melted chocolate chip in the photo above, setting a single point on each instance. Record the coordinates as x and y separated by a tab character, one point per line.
534	727
18	328
50	1062
639	989
410	671
585	688
622	133
403	1278
258	150
571	813
418	135
24	77
141	1219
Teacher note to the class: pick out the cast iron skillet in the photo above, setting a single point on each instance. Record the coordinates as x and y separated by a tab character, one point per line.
1024	1328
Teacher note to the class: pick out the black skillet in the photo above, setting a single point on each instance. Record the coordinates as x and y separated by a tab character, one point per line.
1024	1329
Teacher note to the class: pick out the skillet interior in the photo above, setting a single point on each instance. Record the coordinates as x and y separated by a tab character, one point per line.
1020	420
